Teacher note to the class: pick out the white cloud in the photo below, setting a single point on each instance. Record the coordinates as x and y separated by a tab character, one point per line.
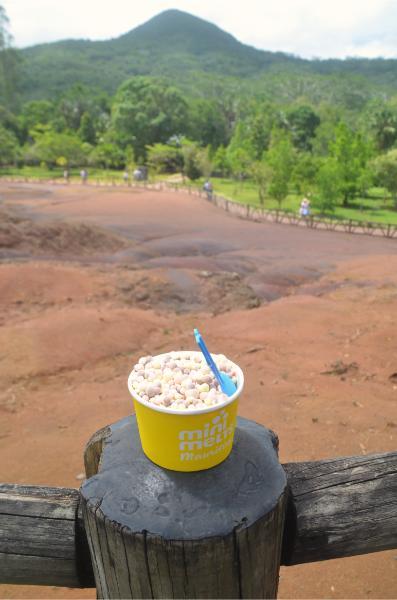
305	27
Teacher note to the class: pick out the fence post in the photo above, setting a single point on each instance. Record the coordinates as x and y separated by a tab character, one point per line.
156	533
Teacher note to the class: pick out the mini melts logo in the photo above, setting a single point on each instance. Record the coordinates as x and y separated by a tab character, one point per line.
212	438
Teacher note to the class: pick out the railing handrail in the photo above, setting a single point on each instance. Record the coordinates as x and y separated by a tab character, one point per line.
245	211
337	507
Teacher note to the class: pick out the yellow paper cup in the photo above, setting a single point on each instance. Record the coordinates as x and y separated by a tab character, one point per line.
187	440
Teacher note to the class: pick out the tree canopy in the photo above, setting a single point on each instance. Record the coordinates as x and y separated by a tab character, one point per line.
8	63
203	105
147	111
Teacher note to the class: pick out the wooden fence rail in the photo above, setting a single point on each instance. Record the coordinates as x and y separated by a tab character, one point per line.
336	508
246	211
341	507
42	537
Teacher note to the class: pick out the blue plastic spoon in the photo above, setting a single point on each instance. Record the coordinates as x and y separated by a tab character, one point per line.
227	384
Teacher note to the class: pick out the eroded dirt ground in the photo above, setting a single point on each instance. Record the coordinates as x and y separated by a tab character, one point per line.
91	279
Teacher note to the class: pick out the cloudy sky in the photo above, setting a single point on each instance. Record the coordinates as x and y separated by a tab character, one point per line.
309	28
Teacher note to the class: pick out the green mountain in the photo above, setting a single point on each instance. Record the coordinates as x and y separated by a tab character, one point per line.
197	56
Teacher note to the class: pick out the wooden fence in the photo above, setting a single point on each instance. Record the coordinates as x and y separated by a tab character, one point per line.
135	530
246	211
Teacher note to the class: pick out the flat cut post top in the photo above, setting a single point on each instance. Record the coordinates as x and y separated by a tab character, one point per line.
136	493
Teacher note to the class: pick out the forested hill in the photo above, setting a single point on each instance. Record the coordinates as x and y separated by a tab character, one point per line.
194	54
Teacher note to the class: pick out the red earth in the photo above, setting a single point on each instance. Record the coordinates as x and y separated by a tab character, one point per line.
91	279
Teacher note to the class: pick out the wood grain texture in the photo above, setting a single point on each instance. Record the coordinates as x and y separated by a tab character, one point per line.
93	451
155	533
338	507
42	540
341	507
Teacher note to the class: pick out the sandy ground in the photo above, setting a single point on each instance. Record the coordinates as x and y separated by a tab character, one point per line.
91	279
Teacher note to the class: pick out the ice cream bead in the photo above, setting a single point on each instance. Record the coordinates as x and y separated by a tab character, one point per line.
180	380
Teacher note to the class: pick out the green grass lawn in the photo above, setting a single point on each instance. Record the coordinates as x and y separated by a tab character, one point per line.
375	208
57	173
378	207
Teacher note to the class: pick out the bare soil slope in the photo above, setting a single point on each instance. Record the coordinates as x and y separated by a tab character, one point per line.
310	316
23	235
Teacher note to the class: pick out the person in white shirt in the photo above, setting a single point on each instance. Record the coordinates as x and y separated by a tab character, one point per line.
304	210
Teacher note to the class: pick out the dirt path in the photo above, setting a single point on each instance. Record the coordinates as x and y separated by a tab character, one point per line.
71	328
175	231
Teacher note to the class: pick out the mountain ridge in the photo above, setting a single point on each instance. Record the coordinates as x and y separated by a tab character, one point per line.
179	46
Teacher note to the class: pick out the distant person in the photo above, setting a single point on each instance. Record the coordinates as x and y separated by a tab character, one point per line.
304	209
137	174
208	189
126	177
84	176
66	175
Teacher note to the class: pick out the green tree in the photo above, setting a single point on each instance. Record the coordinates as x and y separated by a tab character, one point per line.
329	186
302	123
130	163
87	132
108	156
77	101
220	162
147	111
37	112
351	152
9	64
207	123
385	167
35	116
72	105
240	152
240	161
330	117
228	100
261	174
10	122
205	162
304	172
281	158
51	146
253	129
192	167
381	120
164	158
255	126
9	149
324	137
261	125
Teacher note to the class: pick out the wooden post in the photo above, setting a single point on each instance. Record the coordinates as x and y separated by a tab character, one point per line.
336	507
155	533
